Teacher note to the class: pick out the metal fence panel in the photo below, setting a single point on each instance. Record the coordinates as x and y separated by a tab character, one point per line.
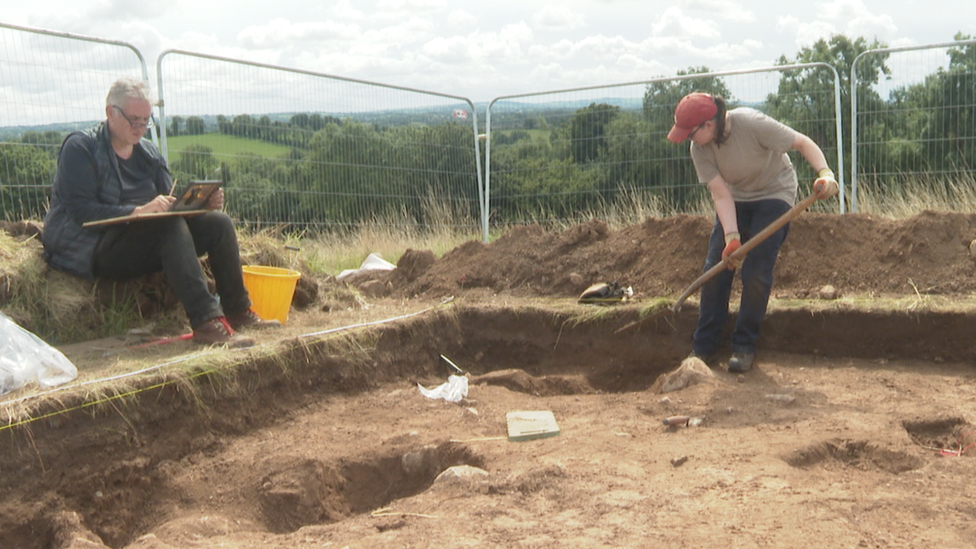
568	155
314	151
52	82
915	129
309	150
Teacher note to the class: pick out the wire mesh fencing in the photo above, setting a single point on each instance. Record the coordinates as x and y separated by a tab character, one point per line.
564	156
318	152
52	83
913	118
309	151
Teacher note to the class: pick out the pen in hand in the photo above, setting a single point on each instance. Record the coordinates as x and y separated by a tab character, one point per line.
170	198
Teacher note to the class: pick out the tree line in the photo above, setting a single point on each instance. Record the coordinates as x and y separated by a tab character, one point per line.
343	173
547	161
924	133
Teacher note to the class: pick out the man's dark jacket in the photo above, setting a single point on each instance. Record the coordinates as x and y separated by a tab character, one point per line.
88	191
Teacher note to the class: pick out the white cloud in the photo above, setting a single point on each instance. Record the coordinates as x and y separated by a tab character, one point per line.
511	46
787	24
518	32
122	10
402	36
881	27
623	60
842	9
453	50
806	33
500	49
602	46
344	10
460	20
282	33
636	65
674	22
558	19
902	43
857	20
752	45
589	50
723	10
412	6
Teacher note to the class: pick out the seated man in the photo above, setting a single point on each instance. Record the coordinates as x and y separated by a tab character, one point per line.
111	171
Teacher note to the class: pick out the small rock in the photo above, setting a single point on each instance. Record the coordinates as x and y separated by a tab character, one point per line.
576	279
419	461
972	249
691	371
679	461
461	473
676	421
828	292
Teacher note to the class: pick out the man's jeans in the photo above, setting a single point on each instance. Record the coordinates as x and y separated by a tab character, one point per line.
173	245
757	279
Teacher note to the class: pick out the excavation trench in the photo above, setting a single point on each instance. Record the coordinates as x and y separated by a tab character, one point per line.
132	465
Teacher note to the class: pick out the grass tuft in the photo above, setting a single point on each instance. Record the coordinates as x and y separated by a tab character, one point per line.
904	197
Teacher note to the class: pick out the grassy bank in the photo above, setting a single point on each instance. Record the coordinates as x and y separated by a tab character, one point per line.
62	308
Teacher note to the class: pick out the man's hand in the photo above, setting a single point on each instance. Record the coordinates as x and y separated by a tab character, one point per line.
216	200
825	186
161	203
732	244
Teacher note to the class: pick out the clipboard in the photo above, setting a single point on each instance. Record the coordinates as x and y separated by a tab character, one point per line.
189	202
195	196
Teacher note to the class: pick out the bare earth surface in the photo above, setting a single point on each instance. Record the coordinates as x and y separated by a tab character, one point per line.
855	429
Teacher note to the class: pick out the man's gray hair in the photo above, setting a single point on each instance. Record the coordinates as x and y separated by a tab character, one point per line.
128	87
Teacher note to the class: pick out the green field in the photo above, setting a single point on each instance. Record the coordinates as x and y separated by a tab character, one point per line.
224	145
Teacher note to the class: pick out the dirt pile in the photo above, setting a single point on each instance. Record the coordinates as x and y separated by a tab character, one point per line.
856	253
855	429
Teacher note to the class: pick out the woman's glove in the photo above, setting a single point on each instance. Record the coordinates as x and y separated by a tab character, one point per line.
825	186
732	244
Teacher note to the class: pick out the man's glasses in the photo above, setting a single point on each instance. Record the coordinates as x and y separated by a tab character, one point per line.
694	131
136	123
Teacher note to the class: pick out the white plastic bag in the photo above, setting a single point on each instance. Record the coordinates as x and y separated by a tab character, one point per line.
454	390
24	357
373	262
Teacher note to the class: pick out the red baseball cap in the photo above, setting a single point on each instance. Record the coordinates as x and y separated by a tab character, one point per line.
692	111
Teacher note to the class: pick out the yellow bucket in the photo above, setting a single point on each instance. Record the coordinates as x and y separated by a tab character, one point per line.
271	290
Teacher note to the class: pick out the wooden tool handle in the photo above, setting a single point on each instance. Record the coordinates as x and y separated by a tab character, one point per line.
739	254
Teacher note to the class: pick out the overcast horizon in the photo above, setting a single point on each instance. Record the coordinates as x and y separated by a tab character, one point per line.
482	52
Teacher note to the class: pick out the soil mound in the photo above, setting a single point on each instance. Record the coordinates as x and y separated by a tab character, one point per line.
855	253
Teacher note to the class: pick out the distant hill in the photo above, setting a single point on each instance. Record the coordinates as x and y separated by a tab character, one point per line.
392	117
625	103
8	133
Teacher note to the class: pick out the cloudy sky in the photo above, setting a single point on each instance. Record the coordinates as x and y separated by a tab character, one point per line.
482	50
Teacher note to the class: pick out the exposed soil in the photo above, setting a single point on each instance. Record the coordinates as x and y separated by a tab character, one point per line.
855	429
858	254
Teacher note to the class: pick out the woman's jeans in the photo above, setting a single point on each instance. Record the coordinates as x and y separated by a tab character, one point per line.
173	245
756	274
